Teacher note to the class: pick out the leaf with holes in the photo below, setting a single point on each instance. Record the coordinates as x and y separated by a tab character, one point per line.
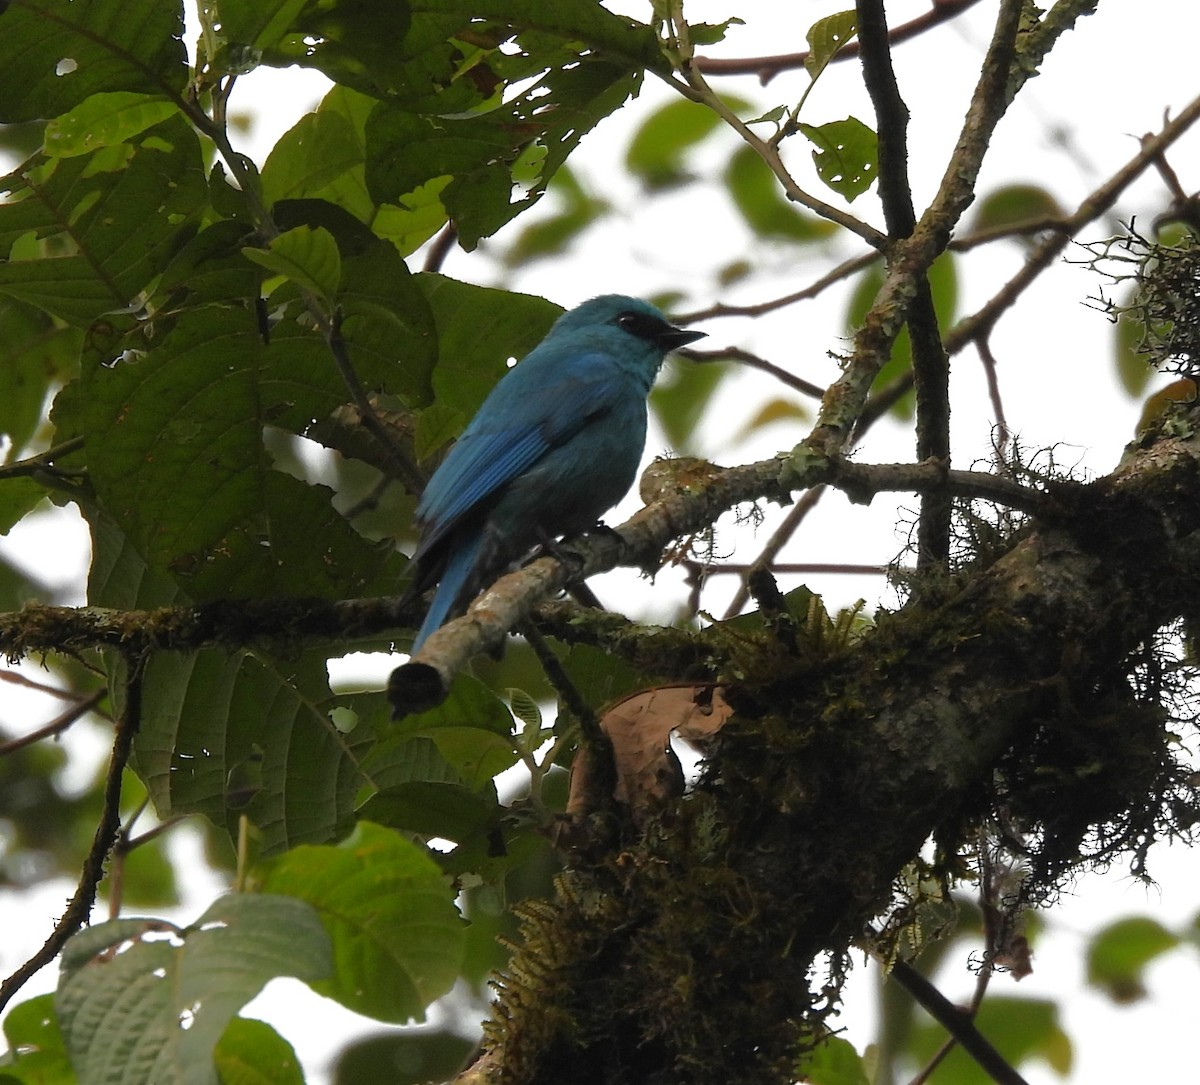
56	53
155	1009
825	37
846	155
117	216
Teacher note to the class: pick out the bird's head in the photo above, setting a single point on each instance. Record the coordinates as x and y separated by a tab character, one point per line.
621	320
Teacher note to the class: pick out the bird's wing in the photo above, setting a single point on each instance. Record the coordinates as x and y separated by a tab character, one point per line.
510	434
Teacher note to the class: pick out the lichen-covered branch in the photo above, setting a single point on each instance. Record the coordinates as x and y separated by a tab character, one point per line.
1008	686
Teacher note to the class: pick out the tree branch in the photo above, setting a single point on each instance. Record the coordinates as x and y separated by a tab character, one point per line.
981	322
840	767
79	908
697	89
766	68
958	1024
912	257
753	361
931	369
60	723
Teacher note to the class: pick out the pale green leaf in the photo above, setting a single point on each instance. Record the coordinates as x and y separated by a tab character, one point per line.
155	1010
825	37
103	120
1118	954
397	937
307	257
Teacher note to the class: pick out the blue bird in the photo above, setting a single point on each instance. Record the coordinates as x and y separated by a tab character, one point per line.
555	445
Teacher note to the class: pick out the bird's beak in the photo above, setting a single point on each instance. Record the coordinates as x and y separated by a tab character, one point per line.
672	338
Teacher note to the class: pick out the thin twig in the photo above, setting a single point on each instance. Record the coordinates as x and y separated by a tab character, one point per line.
766	68
60	723
328	325
696	89
440	249
984	346
753	361
19	679
779	538
116	862
957	1023
951	1042
568	692
795	568
980	323
843	271
43	462
406	471
911	257
79	908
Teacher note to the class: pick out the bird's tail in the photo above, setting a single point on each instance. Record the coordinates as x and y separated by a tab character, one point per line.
455	578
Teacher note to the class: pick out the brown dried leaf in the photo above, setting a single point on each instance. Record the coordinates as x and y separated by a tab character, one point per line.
639	727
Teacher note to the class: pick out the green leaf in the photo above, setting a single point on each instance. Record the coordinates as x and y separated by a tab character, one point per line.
681	396
307	257
104	120
323	157
659	146
1013	205
551	235
1129	341
1020	1029
494	130
834	1061
397	937
39	1056
444	57
209	268
599	676
39	353
18	496
711	33
1118	954
108	222
398	759
774	411
757	195
478	330
825	37
437	425
403	1058
525	708
388	325
451	811
204	713
846	155
156	1010
252	1053
472	730
119	576
56	53
258	24
176	452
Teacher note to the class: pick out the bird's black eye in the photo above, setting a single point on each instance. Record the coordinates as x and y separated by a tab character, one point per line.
643	325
